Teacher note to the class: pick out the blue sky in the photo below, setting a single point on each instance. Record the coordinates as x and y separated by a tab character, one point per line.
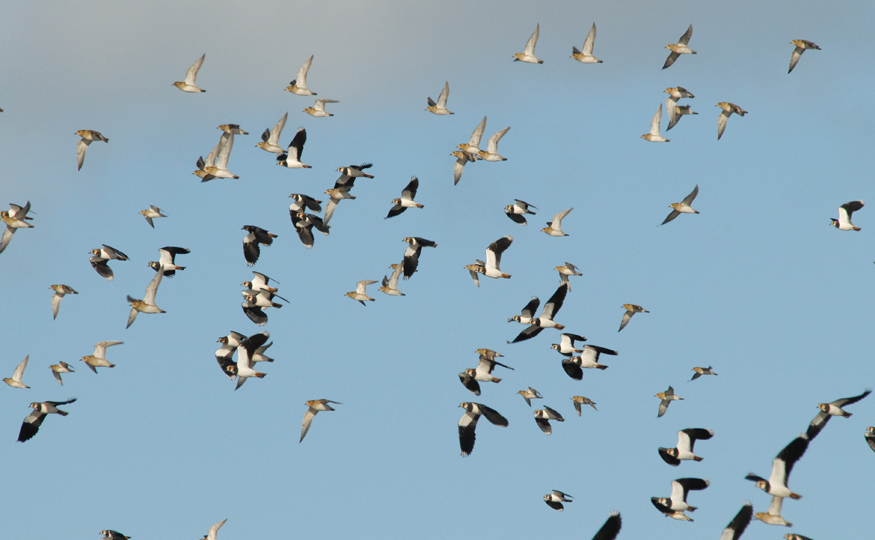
757	285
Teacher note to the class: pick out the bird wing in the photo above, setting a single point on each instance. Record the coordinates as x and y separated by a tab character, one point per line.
308	419
794	58
495	249
544	424
553	305
721	124
445	93
211	157
492	145
458	168
738	524
517	218
527	334
225	151
530	308
670	60
475	276
19	369
626	318
7	236
276	130
611	528
100	348
668	458
393	280
663	406
657	118
191	74
478	133
533	41
360	286
467	425
783	463
493	416
688	200
211	535
152	287
56	305
589	41
296	147
673	113
254	313
775	507
557	219
410	191
673	214
31	425
572	368
685	39
301	78
81	147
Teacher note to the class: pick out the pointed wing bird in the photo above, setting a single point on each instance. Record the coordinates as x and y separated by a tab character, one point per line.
468	422
683	206
167	260
843	223
828	410
543	417
554	228
739	523
528	313
34	420
189	84
315	405
251	241
15	380
585	55
611	528
214	530
679	48
411	254
667	397
14	218
801	46
631	309
406	200
554	500
529	395
88	136
776	485
292	157
270	139
680	488
654	135
491	152
517	210
441	106
528	55
684	451
245	352
299	85
473	146
147	304
728	109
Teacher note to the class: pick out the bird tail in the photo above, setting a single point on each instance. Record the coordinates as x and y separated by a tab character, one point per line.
692	508
496	379
602	367
63	413
260	375
697	458
795	496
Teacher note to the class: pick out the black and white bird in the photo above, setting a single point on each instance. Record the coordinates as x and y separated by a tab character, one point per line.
739	523
828	410
245	352
869	434
31	424
776	485
315	405
684	450
543	417
100	258
588	359
680	488
545	319
790	536
292	156
843	223
260	282
554	500
611	528
304	224
527	315
406	200
254	303
491	268
251	241
468	422
674	514
356	171
411	254
304	202
60	367
517	211
167	260
565	346
482	373
115	535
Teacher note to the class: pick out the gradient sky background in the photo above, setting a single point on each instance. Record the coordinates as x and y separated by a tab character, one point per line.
758	285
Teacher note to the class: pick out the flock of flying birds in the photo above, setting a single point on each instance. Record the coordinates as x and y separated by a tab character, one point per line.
259	294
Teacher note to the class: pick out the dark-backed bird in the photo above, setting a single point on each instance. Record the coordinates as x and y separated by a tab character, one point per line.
828	410
167	260
251	241
684	450
406	200
468	423
776	485
411	254
31	424
588	359
843	223
292	156
554	500
543	417
680	488
739	523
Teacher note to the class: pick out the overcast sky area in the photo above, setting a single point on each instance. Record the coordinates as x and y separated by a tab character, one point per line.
758	285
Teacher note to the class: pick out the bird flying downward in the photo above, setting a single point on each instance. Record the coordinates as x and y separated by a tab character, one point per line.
189	84
682	207
315	405
147	304
245	353
828	410
214	530
667	397
528	55
728	109
739	523
98	359
257	236
631	309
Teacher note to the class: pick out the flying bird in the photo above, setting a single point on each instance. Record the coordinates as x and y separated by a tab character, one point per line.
113	535
147	304
245	352
674	514
101	257
356	171
98	359
680	488
318	110
31	424
739	523
631	309
528	55
611	528
554	228
251	241
233	129
304	223
516	212
490	268
527	315
491	152
167	260
543	417
585	54
152	212
406	200
565	346
567	271
292	157
315	405
870	437
667	397
270	139
654	135
682	207
60	367
211	534
773	516
699	371
299	83
828	410
304	202
776	485
15	218
411	254
801	46
675	113
216	164
15	380
588	359
462	158
679	48
529	395
468	422
60	292
441	106
473	146
545	319
728	109
684	450
360	293
390	284
554	500
579	401
189	84
843	223
88	137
